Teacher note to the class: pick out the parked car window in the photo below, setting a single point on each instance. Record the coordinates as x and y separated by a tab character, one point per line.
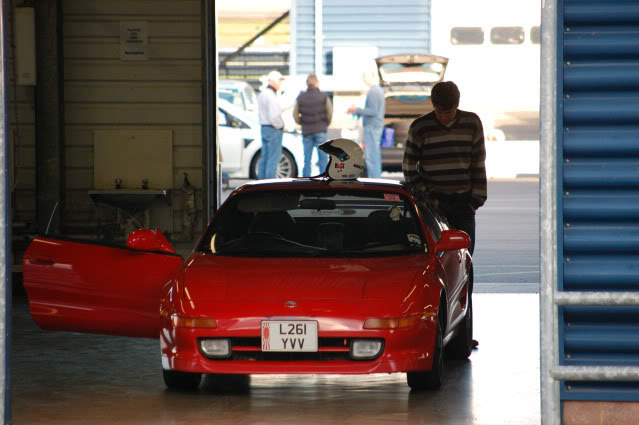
535	35
315	223
467	35
250	99
507	35
222	119
231	96
411	72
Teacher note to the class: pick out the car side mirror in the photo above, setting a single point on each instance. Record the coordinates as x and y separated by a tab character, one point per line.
451	240
149	240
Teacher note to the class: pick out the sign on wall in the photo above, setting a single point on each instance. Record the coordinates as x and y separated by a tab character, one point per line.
134	41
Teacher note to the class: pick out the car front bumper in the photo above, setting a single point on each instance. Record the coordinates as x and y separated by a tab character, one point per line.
406	349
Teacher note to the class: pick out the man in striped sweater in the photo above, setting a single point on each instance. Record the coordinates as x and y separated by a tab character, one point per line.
444	156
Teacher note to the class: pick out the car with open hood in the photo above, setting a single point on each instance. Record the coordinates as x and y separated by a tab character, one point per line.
325	275
407	80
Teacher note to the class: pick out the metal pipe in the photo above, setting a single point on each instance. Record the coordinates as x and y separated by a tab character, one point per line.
595	373
597	298
550	408
319	45
5	232
292	55
209	109
252	40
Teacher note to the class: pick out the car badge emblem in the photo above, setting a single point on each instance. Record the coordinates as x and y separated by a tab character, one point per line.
290	304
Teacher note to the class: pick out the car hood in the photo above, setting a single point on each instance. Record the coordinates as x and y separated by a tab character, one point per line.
210	277
411	70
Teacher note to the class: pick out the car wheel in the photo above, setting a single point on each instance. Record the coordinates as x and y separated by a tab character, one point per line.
432	379
287	167
182	381
461	346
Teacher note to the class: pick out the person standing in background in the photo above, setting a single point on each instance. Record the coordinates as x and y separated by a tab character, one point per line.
314	112
373	122
272	127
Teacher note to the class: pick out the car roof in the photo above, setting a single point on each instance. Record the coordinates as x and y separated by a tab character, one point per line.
324	182
233	83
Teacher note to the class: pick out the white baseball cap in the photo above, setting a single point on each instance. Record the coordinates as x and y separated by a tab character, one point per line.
274	76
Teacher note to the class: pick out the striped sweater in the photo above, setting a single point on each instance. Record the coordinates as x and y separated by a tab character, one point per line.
447	161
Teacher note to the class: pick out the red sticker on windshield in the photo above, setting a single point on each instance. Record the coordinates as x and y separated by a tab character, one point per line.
391	197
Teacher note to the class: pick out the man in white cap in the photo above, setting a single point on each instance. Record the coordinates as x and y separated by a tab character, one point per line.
272	126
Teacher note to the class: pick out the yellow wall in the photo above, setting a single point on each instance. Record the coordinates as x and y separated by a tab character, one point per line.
233	32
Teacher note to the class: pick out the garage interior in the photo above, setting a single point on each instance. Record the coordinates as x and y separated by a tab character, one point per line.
100	110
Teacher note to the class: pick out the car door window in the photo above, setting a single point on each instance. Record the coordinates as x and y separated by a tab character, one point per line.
92	222
222	119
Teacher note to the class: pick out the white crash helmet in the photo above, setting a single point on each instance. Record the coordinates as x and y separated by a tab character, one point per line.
346	159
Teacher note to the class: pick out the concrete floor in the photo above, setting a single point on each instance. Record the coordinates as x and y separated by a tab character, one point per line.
65	378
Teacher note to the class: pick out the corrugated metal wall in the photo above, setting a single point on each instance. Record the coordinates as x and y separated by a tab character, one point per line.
21	136
101	91
598	160
401	26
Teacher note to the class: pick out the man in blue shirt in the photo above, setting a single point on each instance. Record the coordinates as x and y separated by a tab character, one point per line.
373	122
272	127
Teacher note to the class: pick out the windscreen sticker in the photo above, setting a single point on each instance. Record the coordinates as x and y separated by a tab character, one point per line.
414	239
391	197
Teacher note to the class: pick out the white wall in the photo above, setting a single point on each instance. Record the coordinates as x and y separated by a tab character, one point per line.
163	92
495	79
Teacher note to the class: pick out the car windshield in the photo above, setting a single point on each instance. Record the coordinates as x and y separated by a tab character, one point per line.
411	72
232	96
315	223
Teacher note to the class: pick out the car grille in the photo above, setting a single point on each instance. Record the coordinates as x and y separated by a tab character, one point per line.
329	349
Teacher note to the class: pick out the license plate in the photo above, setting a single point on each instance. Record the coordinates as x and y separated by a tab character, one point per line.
289	335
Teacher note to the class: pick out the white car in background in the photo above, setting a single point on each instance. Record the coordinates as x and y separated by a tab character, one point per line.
239	93
240	140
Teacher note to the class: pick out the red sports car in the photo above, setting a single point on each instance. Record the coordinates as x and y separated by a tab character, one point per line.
291	276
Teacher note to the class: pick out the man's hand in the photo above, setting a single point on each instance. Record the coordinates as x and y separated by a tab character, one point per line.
352	109
472	208
436	203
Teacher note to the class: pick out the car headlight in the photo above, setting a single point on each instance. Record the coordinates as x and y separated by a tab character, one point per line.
366	349
215	348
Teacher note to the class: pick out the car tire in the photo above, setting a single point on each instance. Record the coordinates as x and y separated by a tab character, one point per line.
432	379
181	381
287	167
461	346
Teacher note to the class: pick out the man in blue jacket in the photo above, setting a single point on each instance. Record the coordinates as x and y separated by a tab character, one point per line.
373	122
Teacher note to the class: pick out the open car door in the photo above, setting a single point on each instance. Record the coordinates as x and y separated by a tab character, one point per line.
98	275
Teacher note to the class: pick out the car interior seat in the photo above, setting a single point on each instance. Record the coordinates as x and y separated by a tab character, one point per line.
385	230
330	235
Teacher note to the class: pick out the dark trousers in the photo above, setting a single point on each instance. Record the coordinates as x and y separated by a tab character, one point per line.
460	216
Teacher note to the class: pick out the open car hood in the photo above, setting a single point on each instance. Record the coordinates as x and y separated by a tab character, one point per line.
411	70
